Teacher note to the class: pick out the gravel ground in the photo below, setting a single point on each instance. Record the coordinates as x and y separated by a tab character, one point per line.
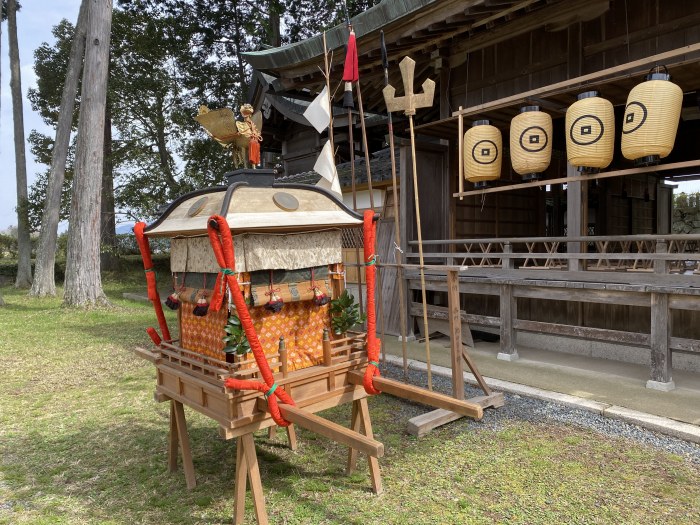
519	408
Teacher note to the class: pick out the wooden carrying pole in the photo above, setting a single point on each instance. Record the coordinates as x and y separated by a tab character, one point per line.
420	395
408	104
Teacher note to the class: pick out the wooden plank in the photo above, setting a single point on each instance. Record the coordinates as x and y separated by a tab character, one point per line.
583	295
421	425
683	302
441	312
609	74
455	334
184	440
435	284
680	344
563	256
332	430
578	178
493	400
420	395
583	332
148	355
443	327
651	31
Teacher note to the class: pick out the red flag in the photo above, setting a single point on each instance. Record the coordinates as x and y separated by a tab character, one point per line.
351	72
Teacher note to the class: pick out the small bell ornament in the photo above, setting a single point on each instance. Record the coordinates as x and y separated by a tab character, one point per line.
173	301
275	303
202	306
320	298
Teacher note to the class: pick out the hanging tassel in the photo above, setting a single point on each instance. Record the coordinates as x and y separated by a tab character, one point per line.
275	303
347	96
173	301
202	307
320	298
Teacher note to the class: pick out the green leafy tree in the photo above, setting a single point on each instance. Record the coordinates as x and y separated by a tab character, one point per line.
167	58
305	19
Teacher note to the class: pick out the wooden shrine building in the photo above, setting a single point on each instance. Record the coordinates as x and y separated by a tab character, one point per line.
614	271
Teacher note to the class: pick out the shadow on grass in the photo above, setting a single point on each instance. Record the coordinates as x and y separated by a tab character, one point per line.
117	473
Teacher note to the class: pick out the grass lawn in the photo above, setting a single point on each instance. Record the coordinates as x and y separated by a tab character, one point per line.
82	441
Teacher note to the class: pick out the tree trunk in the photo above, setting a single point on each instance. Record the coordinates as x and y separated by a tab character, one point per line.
274	37
24	243
44	280
108	227
237	40
83	286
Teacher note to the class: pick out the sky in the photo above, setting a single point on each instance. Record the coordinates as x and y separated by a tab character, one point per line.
34	24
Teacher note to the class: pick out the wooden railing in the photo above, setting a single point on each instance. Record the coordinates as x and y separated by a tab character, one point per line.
672	253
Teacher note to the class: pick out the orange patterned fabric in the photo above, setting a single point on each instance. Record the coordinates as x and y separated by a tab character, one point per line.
301	324
203	334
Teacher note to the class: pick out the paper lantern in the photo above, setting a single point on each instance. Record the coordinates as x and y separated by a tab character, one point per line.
482	153
530	142
590	132
651	119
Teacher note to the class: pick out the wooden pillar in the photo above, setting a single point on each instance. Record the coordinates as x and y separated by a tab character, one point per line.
455	334
507	264
661	265
573	217
508	314
661	362
660	350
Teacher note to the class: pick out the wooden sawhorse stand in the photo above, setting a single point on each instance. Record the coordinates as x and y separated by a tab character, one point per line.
247	468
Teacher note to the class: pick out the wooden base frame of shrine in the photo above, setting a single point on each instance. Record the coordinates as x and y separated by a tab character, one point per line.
186	378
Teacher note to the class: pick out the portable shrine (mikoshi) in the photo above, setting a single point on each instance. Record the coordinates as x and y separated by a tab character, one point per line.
256	269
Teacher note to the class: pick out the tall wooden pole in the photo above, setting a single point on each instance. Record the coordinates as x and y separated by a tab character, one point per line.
420	254
408	104
397	226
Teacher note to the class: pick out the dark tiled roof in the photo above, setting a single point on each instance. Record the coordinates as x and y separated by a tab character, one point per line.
380	167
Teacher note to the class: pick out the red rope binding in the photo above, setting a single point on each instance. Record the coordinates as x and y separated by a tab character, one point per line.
222	244
153	296
370	232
